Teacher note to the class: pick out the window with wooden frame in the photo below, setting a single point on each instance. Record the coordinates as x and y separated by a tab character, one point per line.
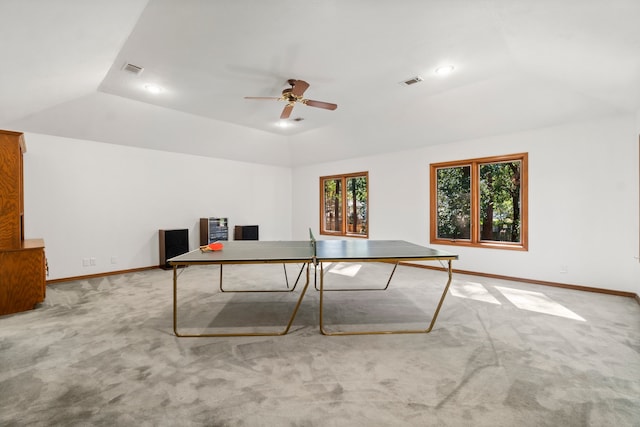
480	202
344	205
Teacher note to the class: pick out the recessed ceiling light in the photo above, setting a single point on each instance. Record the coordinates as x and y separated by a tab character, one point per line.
444	70
283	124
154	89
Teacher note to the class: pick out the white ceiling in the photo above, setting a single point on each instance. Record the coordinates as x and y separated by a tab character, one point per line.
519	64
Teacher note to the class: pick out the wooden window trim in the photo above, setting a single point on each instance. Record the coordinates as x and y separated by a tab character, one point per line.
475	241
344	178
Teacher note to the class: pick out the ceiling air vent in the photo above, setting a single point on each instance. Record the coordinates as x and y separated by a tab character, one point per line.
412	81
132	69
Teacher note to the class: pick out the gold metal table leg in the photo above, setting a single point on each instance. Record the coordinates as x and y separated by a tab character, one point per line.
175	300
267	290
409	331
249	334
315	282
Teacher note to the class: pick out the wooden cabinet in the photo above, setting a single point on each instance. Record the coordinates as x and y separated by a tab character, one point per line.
11	201
22	262
22	277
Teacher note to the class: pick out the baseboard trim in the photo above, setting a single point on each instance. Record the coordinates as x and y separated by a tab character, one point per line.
532	281
409	264
98	275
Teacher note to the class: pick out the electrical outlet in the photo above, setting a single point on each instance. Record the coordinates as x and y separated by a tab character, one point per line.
114	260
85	262
92	261
564	268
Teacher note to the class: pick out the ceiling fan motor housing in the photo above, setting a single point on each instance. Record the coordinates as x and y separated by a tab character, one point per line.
295	94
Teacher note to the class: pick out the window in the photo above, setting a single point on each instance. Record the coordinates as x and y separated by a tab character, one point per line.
480	202
344	204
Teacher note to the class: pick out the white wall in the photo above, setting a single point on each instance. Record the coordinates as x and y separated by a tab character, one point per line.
583	202
89	199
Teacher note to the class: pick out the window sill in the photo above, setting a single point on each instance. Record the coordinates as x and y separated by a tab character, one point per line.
486	245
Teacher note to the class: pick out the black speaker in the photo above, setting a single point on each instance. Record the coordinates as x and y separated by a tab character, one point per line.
172	243
245	232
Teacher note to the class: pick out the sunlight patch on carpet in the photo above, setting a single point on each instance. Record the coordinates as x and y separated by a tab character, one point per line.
472	290
538	302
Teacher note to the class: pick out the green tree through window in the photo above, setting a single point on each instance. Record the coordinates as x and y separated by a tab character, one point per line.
344	204
480	202
454	202
500	201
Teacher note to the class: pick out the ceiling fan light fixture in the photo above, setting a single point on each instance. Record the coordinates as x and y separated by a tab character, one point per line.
444	70
293	95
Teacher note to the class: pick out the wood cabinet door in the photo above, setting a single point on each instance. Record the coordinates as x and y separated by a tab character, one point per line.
22	279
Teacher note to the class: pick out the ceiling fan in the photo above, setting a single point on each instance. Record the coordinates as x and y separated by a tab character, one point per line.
293	94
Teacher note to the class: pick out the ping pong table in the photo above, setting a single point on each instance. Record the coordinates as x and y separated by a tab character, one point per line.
316	253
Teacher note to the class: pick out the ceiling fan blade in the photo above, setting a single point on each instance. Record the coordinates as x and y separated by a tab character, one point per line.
262	97
286	112
299	86
319	104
